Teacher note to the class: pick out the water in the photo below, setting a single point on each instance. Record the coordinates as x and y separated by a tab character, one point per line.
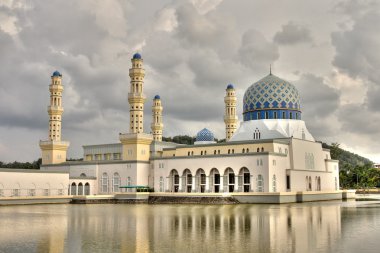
332	226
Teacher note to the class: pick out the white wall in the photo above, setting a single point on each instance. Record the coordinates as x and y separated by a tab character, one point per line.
32	182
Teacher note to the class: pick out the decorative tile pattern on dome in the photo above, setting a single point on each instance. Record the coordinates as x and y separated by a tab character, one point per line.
271	92
205	135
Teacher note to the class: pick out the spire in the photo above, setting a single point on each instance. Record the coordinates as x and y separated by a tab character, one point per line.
270	69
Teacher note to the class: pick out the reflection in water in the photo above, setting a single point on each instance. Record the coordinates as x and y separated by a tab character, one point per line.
307	227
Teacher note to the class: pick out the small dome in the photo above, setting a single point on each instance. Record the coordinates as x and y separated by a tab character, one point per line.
230	86
56	73
137	56
157	97
205	135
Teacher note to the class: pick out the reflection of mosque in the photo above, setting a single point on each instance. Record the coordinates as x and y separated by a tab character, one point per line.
271	150
168	228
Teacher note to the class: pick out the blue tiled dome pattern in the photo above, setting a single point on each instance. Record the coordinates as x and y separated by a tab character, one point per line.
271	92
271	98
157	97
205	135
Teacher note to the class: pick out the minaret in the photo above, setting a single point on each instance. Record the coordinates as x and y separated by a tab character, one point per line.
230	118
136	143
157	124
136	97
54	150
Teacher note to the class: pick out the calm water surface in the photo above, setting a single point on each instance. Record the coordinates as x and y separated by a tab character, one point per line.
308	227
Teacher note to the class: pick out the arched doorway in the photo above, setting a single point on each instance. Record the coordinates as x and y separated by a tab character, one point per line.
187	180
80	188
174	180
244	180
229	180
73	189
87	189
200	180
215	180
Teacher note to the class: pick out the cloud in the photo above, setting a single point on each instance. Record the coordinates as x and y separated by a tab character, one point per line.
319	102
204	6
166	20
292	33
256	52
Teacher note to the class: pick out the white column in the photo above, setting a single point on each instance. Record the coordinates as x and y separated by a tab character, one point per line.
180	185
221	186
193	184
236	188
167	183
207	184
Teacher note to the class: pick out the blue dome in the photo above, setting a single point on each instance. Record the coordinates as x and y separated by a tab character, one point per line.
157	97
230	86
271	98
56	73
205	135
137	56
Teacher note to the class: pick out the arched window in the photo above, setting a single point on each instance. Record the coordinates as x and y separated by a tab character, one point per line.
258	150
201	152
73	189
336	183
261	162
262	149
80	188
104	182
229	180
256	134
243	151
32	190
214	152
307	183
233	151
87	189
229	151
260	183
274	183
116	182
247	150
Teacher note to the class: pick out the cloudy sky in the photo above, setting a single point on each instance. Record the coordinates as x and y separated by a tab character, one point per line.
192	49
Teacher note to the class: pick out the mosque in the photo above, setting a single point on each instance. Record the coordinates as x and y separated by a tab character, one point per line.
270	151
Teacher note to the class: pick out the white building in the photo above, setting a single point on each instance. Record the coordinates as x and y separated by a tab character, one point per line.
271	151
